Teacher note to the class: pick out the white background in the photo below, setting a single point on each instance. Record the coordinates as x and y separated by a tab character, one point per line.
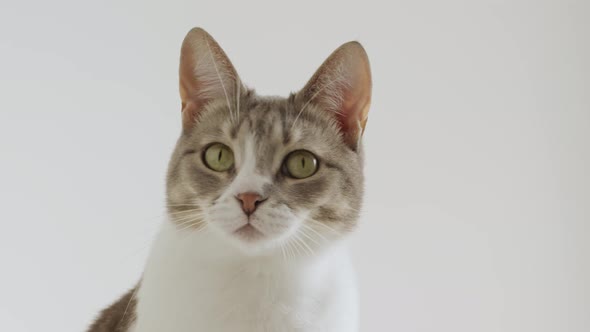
477	214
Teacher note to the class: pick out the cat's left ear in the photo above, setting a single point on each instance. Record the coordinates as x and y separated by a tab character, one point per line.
342	86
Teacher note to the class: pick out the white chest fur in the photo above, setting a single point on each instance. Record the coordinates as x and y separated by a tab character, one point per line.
191	284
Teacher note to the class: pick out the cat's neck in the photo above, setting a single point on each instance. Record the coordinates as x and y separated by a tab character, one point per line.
192	275
203	248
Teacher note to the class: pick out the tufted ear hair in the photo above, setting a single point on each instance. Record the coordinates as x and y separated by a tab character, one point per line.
206	74
342	86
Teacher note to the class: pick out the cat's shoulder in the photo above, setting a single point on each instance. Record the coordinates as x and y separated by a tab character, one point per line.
119	316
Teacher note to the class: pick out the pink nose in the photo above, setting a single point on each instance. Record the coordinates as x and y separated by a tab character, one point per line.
250	202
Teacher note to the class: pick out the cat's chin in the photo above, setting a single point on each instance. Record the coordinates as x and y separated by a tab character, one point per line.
251	241
260	235
249	234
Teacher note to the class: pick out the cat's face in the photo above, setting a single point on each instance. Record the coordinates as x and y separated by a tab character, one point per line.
265	173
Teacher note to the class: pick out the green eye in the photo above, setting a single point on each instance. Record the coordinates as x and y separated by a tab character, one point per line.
301	164
219	157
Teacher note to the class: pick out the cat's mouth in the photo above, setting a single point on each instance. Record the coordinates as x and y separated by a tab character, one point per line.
249	232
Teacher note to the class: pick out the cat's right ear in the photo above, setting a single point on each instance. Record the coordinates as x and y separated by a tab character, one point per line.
206	74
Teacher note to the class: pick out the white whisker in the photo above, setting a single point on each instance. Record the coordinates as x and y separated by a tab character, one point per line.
220	79
310	100
304	233
298	245
187	219
186	214
324	225
198	223
239	83
315	232
127	306
290	250
184	211
303	243
284	251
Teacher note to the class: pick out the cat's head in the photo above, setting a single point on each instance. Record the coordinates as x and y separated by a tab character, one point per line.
269	173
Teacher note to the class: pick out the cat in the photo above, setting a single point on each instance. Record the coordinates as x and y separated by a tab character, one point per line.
261	195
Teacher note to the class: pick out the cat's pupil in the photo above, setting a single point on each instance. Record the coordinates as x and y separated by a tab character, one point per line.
302	162
219	155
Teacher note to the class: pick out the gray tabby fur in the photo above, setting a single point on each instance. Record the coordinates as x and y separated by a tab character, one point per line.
334	194
217	107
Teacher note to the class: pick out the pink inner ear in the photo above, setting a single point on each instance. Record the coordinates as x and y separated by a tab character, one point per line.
353	113
350	126
205	72
342	85
189	114
356	99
